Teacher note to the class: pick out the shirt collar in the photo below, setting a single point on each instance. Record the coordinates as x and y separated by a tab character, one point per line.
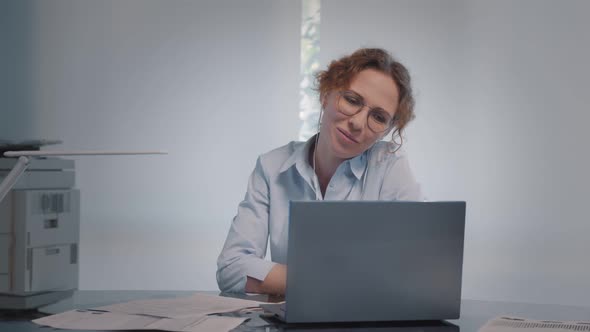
358	164
299	157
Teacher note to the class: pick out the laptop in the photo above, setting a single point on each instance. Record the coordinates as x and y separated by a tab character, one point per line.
370	261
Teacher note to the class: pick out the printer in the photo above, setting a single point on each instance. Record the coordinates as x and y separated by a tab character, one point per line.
39	234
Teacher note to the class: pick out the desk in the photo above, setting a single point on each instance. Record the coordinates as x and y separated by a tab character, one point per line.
473	313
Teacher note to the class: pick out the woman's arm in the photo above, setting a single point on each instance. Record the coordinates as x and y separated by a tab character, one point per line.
243	253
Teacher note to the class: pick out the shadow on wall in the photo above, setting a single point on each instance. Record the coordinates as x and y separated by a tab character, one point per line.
15	107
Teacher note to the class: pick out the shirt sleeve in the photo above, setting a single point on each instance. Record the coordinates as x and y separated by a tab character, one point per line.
245	247
399	183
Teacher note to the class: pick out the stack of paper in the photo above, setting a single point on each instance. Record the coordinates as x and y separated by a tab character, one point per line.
193	313
517	324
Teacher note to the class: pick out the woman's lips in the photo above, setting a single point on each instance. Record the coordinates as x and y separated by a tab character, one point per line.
347	135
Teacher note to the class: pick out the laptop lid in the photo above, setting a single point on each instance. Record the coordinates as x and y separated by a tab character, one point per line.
374	261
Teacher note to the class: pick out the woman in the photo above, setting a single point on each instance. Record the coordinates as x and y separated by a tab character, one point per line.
364	97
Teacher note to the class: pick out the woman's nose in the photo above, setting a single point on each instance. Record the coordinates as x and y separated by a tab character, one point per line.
358	121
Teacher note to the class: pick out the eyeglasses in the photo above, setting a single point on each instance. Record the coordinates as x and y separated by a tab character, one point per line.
351	103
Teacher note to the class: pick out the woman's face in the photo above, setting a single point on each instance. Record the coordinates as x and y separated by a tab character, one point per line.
349	136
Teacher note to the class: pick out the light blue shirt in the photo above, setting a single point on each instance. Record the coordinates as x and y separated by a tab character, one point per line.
283	175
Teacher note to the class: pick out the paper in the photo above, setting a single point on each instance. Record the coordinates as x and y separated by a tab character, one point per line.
517	324
198	304
191	314
93	320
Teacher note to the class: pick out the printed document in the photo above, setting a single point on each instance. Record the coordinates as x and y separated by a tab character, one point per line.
517	324
190	314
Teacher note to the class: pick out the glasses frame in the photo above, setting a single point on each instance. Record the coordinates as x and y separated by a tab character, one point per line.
342	93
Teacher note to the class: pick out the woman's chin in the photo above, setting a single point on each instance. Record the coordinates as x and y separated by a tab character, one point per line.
342	152
344	149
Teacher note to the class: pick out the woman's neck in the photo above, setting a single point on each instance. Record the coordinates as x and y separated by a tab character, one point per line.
325	163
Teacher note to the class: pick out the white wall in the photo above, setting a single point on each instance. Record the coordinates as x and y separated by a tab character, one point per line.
215	83
501	123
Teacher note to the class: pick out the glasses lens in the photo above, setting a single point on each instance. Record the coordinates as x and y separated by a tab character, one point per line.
349	103
378	121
